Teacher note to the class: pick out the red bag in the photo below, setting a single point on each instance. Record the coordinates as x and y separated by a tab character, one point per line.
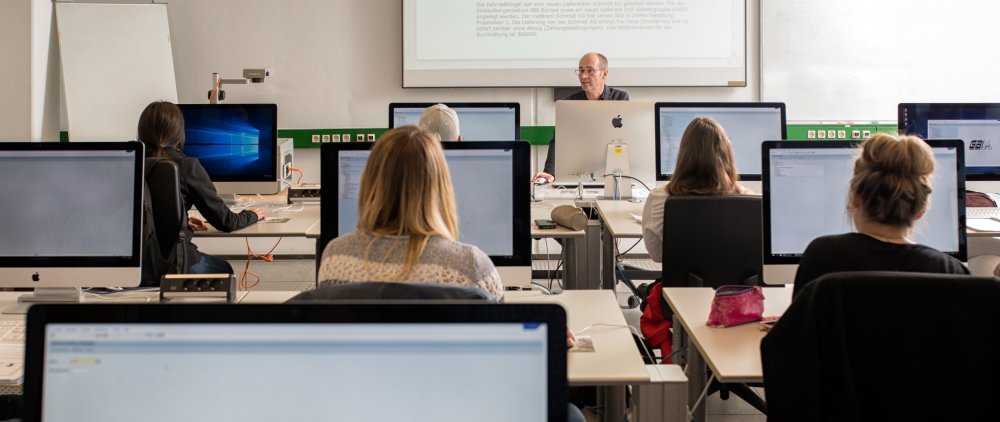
735	305
654	322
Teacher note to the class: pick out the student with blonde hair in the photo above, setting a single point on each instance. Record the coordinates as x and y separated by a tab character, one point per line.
889	192
705	166
407	222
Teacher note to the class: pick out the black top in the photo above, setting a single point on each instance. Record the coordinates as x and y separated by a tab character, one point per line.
859	252
863	346
610	94
197	190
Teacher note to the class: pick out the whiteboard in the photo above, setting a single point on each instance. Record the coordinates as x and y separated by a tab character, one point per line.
857	59
116	59
537	43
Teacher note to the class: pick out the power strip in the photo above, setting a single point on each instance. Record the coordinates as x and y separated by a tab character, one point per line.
186	286
304	194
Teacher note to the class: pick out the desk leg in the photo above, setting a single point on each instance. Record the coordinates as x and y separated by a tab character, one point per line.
593	255
572	261
612	399
607	260
696	374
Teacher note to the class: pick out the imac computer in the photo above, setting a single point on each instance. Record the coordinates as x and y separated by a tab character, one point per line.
978	125
806	191
236	143
587	133
476	121
491	195
74	218
418	362
746	124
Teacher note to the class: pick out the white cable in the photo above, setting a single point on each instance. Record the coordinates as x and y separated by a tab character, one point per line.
288	208
548	263
690	410
116	297
630	328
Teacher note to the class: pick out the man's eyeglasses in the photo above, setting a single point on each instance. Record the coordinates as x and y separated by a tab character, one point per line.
586	71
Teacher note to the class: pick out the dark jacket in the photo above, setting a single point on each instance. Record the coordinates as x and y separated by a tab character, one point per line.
885	346
198	191
610	94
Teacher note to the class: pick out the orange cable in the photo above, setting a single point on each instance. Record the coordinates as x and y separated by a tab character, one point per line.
268	257
215	90
297	170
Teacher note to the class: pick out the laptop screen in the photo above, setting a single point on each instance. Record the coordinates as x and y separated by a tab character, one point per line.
495	369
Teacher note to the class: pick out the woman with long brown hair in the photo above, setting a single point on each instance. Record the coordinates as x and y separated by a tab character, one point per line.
705	166
161	130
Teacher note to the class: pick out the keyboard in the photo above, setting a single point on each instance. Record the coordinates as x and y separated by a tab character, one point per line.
11	332
982	212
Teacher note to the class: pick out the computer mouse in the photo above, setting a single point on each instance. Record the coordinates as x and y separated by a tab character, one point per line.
541	181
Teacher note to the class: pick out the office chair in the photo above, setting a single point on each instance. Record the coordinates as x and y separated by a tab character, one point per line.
711	241
169	217
376	290
886	346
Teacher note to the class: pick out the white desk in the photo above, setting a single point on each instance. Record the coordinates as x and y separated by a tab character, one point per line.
616	217
615	359
580	250
299	224
733	353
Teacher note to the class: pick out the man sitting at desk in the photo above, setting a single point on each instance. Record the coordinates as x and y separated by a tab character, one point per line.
592	72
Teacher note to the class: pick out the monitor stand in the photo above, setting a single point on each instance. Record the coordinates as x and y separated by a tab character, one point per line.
616	165
64	295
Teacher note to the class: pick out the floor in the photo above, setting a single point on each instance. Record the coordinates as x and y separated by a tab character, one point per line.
300	274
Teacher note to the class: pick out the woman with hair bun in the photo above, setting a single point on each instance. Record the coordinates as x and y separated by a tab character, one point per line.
889	192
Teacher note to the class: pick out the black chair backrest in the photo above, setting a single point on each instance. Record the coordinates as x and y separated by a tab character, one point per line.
374	290
712	240
886	346
168	207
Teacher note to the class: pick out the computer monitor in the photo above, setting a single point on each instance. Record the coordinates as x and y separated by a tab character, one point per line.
806	191
491	194
978	125
236	143
585	128
476	121
746	124
296	362
74	216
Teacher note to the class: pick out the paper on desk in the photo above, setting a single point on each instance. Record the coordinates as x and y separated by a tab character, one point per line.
637	218
983	224
583	344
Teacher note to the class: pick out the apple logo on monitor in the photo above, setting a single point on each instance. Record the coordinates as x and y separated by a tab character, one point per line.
617	121
35	277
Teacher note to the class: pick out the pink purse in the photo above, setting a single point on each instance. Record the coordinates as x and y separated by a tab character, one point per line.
735	305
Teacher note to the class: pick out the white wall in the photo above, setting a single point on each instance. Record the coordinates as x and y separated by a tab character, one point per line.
44	73
338	62
15	70
29	84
